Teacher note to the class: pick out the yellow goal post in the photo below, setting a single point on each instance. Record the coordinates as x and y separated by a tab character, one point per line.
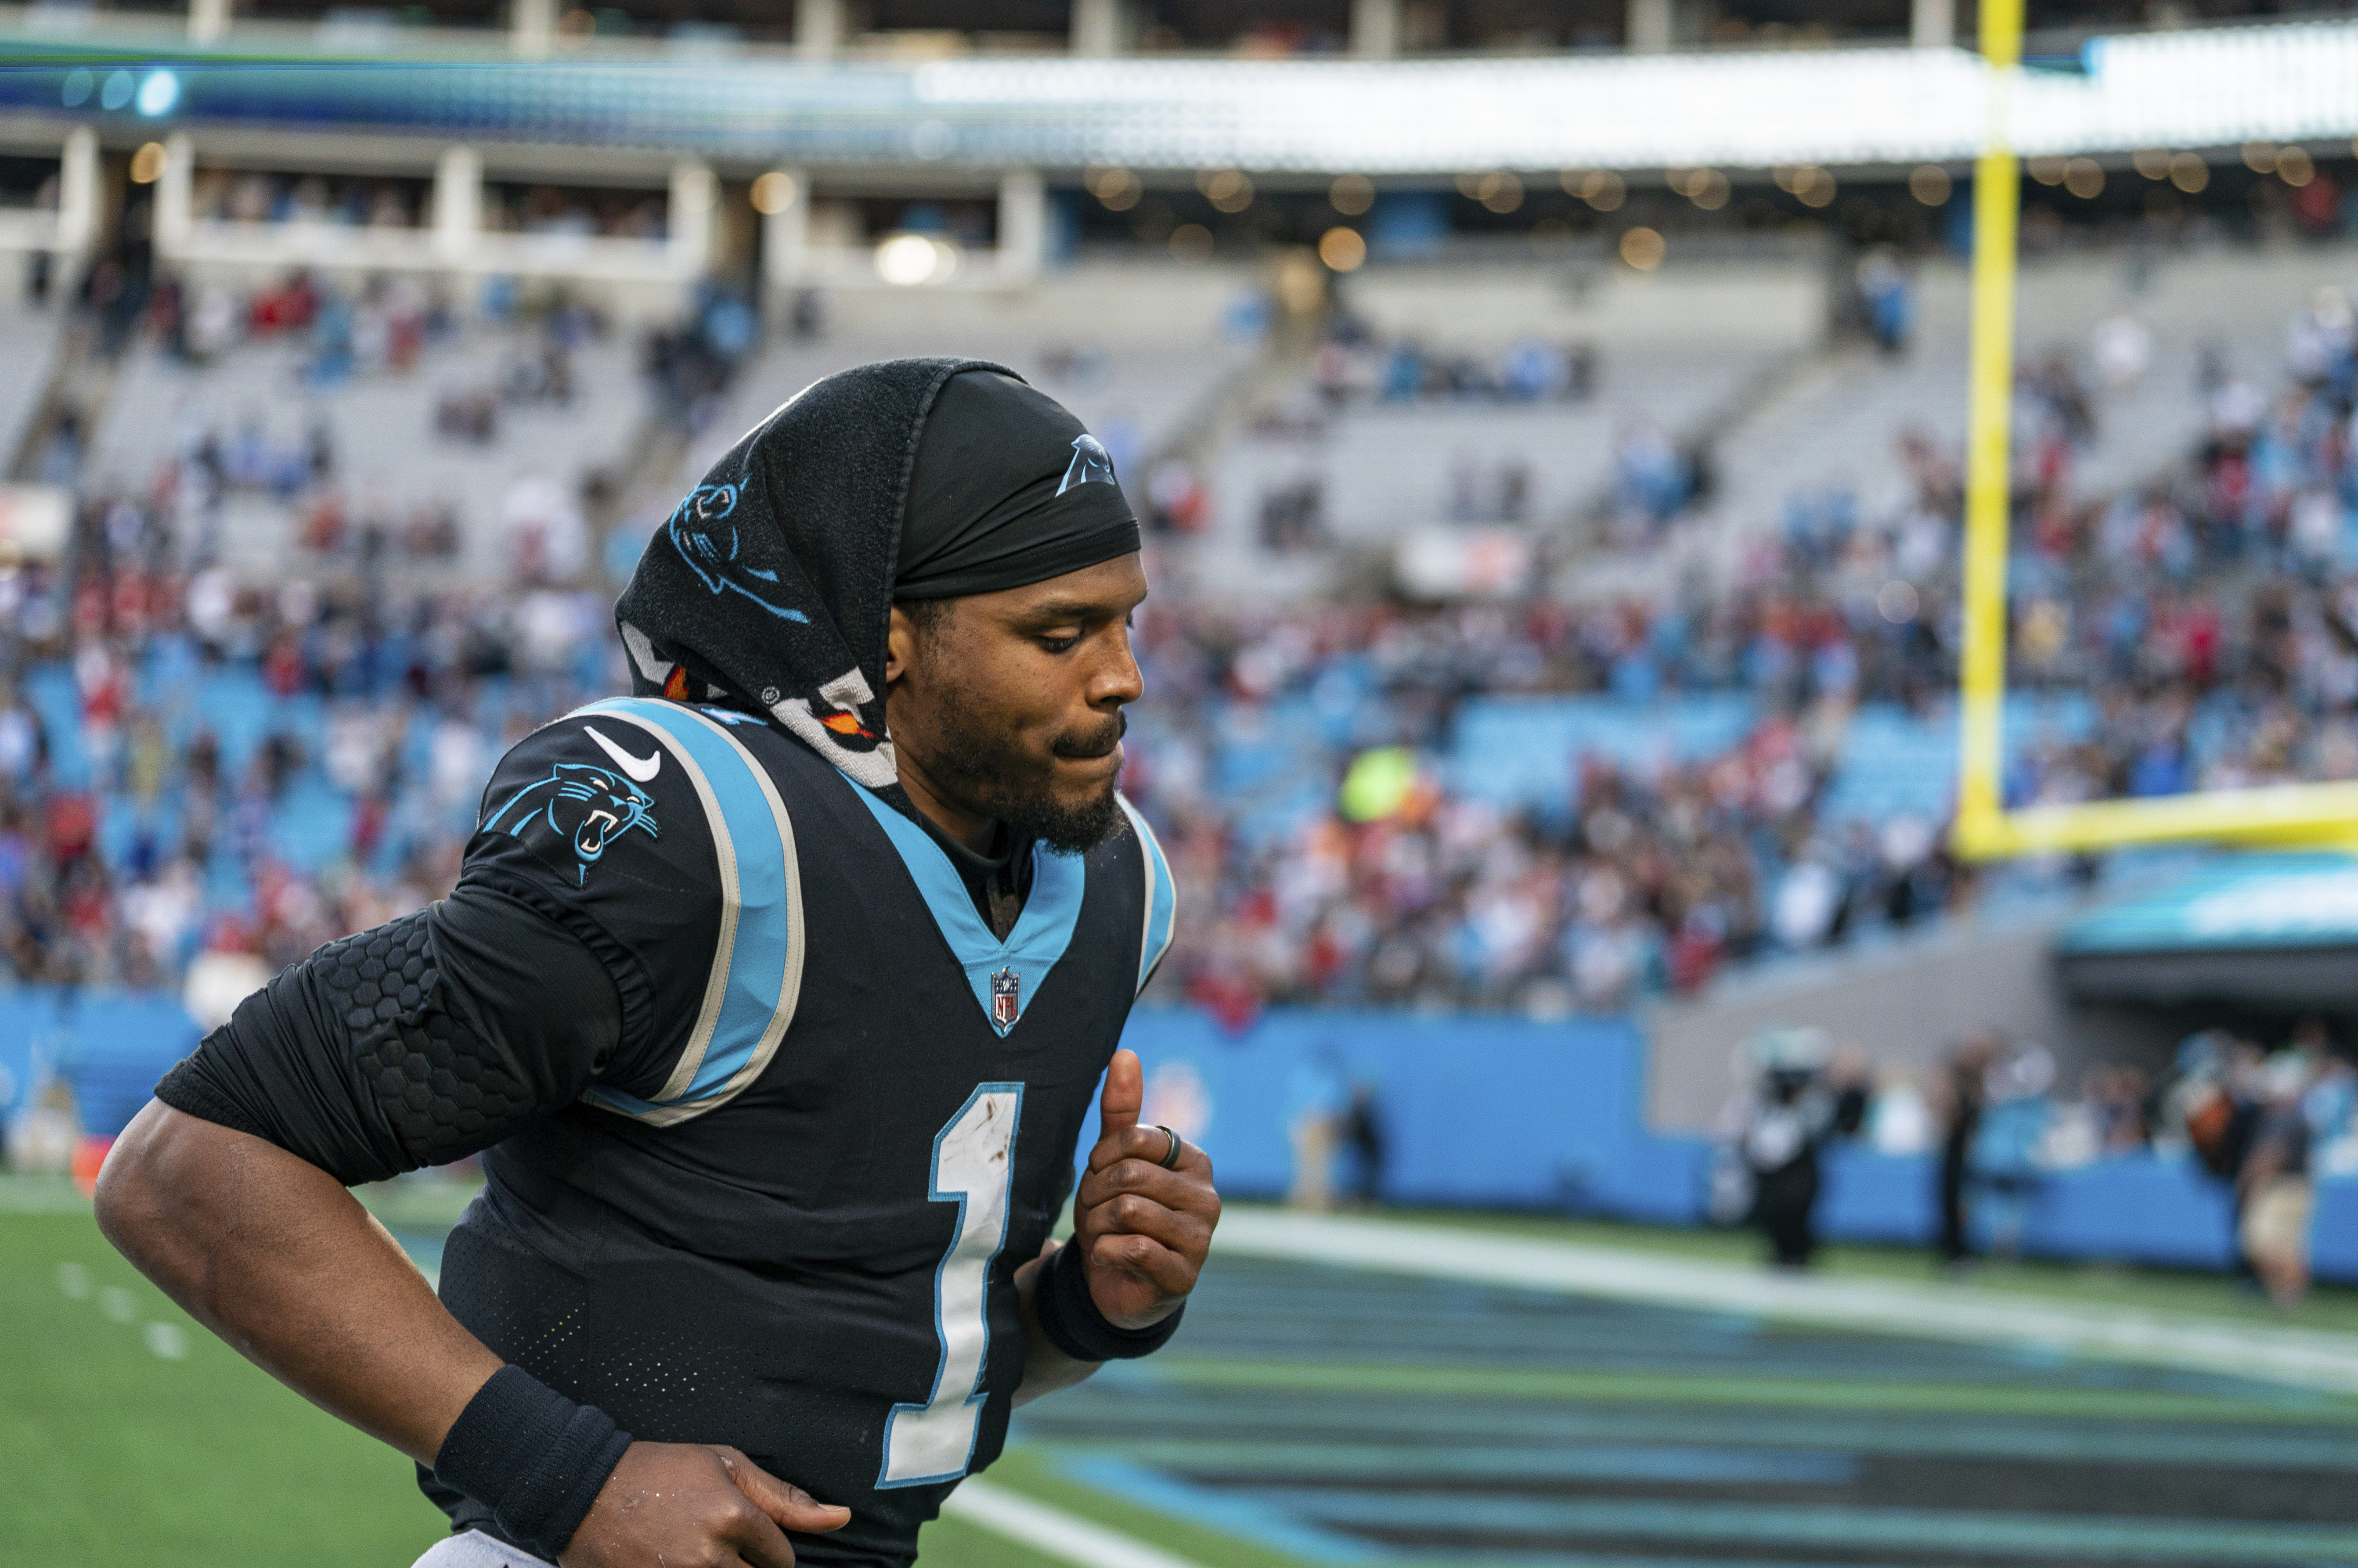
2309	815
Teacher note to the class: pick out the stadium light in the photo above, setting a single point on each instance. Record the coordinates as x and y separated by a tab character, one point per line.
1342	248
1642	248
774	192
159	93
913	261
2314	815
1191	245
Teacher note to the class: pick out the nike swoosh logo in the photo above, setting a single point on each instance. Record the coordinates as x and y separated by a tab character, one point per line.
643	769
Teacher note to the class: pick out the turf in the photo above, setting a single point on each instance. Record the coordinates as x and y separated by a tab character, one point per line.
1036	1475
116	1455
77	1389
1434	1423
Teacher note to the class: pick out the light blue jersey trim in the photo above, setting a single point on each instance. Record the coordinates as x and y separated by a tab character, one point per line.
756	975
1162	898
1040	936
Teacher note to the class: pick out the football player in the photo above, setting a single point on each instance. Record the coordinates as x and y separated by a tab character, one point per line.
774	997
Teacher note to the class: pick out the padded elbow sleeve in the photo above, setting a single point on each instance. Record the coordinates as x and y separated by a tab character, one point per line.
440	1085
380	1055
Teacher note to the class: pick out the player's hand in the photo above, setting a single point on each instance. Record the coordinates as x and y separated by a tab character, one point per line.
685	1504
1144	1230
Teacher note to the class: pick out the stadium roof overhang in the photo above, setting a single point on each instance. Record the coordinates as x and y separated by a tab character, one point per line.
2278	931
2197	88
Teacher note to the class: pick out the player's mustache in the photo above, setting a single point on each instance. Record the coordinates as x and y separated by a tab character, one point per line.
1097	743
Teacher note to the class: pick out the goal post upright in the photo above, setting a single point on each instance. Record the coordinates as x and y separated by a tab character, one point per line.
2302	815
1988	460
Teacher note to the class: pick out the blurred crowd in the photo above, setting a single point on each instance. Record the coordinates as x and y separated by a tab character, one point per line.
1638	879
187	761
198	765
1302	765
2200	632
2210	617
190	766
1354	363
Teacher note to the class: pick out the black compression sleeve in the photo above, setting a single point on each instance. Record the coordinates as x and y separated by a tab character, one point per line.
416	1043
193	1086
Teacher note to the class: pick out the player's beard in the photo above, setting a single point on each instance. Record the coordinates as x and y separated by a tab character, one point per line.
987	767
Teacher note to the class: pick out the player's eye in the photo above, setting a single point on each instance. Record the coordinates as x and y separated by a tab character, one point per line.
1060	644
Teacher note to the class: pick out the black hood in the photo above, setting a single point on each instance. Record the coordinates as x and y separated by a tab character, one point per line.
770	587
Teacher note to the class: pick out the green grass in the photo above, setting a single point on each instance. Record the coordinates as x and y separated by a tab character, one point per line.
426	1205
953	1543
115	1456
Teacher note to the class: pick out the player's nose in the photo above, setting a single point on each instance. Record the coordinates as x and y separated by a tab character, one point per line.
1116	681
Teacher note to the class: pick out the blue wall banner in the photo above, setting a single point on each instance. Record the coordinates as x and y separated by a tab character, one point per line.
111	1047
1473	1110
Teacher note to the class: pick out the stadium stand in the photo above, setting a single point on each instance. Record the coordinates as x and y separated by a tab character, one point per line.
2132	334
1136	351
1492	394
30	332
339	543
485	426
1600	799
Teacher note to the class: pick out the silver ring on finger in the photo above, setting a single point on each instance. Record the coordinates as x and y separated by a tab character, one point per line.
1170	1161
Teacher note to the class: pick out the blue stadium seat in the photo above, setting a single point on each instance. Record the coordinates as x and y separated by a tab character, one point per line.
1525	751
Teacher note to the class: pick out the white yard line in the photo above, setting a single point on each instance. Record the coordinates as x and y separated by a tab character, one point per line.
2304	1359
1065	1537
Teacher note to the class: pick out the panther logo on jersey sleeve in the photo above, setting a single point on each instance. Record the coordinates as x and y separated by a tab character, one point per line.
586	808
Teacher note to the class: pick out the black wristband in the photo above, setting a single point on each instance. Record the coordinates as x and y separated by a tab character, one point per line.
532	1457
1068	1315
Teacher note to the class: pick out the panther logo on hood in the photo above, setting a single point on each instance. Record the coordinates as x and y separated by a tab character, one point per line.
585	806
707	541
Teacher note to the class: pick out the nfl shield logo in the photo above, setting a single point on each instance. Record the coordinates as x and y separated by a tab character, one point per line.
1006	997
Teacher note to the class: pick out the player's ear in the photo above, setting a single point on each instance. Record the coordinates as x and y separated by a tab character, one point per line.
900	646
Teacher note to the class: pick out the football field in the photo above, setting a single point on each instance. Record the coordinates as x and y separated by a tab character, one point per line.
1310	1415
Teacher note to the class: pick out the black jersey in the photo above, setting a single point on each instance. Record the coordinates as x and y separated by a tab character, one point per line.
844	1112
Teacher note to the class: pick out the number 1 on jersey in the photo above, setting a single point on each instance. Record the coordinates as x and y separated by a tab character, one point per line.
974	1167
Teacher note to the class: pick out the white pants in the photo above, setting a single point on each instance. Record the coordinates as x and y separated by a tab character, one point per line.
476	1550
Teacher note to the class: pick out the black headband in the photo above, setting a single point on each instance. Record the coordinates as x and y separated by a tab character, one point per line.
1007	489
